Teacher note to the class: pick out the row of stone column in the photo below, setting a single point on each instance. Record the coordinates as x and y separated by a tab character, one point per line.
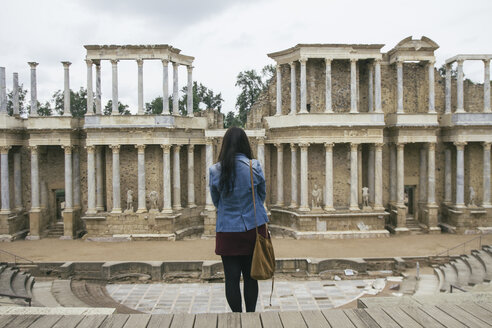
460	102
375	167
399	89
328	85
141	109
5	184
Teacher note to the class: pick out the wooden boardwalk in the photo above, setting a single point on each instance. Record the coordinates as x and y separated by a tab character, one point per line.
444	315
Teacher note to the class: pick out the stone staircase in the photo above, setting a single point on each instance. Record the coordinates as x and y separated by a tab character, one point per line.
16	283
467	272
55	230
414	226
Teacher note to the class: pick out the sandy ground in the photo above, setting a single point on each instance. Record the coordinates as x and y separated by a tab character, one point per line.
80	250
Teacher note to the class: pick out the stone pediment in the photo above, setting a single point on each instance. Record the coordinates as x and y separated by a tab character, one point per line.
413	50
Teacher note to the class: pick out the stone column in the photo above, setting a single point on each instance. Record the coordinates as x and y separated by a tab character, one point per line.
140	87
399	90
165	87
44	194
303	109
304	177
486	175
166	160
459	86
486	86
3	92
76	178
460	173
448	89
293	175
99	180
34	92
189	98
15	95
34	179
328	107
400	172
423	175
293	89
431	174
4	159
370	92
209	157
353	86
370	174
378	177
377	85
176	179
191	177
261	151
392	173
68	178
448	185
142	206
116	179
329	176
91	180
430	68
279	90
18	180
175	89
280	174
98	87
354	184
90	94
114	66
66	89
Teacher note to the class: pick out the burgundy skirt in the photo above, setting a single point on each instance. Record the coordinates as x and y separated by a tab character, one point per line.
237	243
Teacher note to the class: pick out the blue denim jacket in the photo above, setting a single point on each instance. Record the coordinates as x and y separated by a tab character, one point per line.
235	212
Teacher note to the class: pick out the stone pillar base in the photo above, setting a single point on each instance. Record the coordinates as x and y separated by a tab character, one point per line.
35	223
68	224
116	211
167	211
402	231
209	221
304	209
401	216
430	218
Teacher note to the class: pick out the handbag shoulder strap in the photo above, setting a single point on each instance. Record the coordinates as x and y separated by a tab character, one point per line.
253	192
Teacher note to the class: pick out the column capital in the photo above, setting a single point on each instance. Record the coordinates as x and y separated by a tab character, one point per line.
460	145
277	67
177	148
399	62
66	64
486	62
292	64
400	145
175	64
377	61
139	62
191	148
5	149
460	62
140	148
328	61
33	149
165	62
329	146
67	149
304	145
89	62
353	60
431	62
303	60
33	64
431	146
293	147
486	145
354	146
114	62
379	146
91	149
97	62
115	149
189	68
280	146
166	148
210	140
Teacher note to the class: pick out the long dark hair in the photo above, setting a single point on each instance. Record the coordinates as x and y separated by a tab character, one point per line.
235	141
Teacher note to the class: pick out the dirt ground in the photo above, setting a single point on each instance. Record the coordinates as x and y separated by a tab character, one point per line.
79	250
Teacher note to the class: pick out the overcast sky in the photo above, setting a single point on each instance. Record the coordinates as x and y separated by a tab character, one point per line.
224	36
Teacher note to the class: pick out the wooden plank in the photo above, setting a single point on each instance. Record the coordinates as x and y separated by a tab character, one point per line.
403	319
183	320
137	321
160	321
22	321
250	320
360	318
115	321
441	317
270	319
381	318
206	320
92	321
462	316
5	319
68	321
337	318
45	321
486	306
314	319
226	320
478	312
420	316
292	319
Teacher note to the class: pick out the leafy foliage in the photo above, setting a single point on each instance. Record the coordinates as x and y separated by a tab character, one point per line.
78	102
23	109
122	109
442	72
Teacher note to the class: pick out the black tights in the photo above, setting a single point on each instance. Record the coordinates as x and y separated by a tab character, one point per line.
233	266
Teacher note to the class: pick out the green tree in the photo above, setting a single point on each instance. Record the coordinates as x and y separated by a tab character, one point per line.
22	101
122	109
154	107
232	120
442	71
78	102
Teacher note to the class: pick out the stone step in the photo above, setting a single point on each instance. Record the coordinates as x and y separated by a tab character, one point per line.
440	278
428	284
62	291
6	279
42	295
477	269
19	284
486	261
463	272
450	276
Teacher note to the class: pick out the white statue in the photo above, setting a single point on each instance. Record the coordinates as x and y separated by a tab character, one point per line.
153	196
316	200
365	197
129	200
472	197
